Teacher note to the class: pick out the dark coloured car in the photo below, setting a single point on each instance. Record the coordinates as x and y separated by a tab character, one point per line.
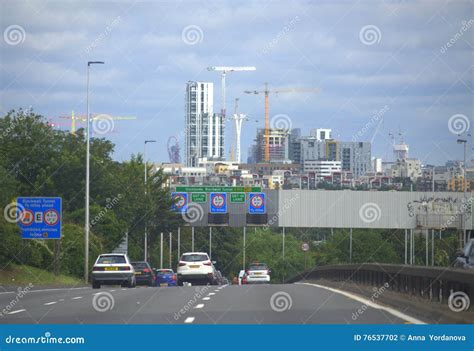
465	257
165	277
143	273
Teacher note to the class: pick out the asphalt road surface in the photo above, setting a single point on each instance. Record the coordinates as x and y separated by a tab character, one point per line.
254	304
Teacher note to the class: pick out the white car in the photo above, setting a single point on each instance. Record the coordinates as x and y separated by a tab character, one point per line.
258	273
113	269
197	268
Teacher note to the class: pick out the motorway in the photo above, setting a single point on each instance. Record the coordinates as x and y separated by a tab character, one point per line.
254	304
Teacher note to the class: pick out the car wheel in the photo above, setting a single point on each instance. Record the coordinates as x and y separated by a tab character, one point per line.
95	285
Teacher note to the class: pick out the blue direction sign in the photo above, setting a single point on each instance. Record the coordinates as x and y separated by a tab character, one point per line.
39	217
218	203
256	203
180	202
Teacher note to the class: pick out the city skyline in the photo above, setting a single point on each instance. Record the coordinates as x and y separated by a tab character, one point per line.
410	62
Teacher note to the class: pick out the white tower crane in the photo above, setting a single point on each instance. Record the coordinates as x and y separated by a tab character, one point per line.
224	71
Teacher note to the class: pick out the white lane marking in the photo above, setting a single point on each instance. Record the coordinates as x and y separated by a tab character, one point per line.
189	320
367	302
61	299
201	305
43	290
210	294
50	303
111	290
206	298
216	290
97	293
17	311
124	289
77	298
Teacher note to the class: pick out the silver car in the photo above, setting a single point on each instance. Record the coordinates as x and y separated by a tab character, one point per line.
113	269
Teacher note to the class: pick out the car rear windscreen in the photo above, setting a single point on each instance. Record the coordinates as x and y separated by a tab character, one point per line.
164	271
258	267
111	259
139	265
194	258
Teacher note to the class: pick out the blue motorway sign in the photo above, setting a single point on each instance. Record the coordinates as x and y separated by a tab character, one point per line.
180	202
256	203
218	203
39	217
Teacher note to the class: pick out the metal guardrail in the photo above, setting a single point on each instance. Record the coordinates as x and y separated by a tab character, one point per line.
434	284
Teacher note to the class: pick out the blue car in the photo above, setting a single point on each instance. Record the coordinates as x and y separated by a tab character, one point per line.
165	277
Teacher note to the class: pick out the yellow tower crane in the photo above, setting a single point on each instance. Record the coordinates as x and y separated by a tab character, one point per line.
267	108
74	118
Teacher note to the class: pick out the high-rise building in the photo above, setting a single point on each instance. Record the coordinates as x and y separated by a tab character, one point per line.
278	145
355	157
204	129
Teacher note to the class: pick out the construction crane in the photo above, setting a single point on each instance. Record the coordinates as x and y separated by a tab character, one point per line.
238	118
224	71
267	108
98	116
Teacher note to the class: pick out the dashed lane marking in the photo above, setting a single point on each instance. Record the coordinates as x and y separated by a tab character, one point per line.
189	320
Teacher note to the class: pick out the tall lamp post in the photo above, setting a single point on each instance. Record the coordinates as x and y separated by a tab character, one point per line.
86	226
464	141
146	172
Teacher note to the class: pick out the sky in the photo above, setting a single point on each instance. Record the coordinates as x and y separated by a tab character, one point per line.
382	67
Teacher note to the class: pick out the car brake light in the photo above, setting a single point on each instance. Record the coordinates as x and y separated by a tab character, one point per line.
97	268
125	268
181	264
146	270
174	277
209	263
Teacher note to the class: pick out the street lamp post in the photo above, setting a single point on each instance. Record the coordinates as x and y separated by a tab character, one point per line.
86	226
464	142
146	171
